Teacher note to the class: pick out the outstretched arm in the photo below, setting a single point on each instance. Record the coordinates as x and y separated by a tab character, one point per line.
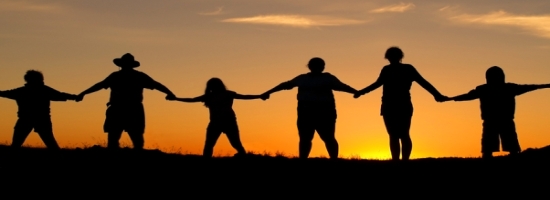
466	97
189	100
429	87
369	88
339	86
10	94
247	97
521	89
283	86
379	82
98	86
160	87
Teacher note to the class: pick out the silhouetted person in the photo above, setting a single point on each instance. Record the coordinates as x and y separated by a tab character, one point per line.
125	110
316	106
219	102
498	104
33	101
397	109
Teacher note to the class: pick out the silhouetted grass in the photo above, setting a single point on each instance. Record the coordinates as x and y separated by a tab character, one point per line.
82	169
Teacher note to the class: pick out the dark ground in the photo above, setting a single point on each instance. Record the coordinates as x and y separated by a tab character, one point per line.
97	172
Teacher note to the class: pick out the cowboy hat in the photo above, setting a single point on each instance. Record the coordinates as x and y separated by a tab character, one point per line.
127	60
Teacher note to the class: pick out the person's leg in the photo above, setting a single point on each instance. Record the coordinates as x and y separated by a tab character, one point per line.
213	132
326	128
45	131
134	124
509	138
406	141
393	129
306	131
489	139
231	130
113	138
137	139
21	131
113	126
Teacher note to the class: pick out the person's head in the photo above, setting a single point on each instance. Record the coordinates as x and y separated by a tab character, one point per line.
214	85
316	65
34	77
394	54
495	75
127	61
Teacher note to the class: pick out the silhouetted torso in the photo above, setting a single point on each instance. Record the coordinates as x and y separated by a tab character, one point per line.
498	101
315	88
33	101
127	86
397	80
220	105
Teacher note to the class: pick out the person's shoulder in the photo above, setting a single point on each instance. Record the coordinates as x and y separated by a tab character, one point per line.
231	92
481	87
408	66
512	84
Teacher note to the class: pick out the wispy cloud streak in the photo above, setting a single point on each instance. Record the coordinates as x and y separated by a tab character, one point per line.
402	7
219	11
295	20
536	24
9	5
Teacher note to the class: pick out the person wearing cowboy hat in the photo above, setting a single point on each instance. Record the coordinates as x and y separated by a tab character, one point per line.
125	110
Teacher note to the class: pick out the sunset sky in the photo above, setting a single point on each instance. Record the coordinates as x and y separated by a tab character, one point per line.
254	45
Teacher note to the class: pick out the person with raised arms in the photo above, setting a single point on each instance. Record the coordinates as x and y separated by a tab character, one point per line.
397	109
219	101
33	102
316	106
498	105
125	110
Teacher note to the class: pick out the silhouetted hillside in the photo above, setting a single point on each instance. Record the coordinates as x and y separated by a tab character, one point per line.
98	171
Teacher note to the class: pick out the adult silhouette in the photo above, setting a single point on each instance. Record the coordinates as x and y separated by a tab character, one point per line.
498	105
397	109
33	101
316	106
219	101
125	110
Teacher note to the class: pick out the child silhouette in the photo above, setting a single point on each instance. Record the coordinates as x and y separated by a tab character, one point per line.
219	101
497	103
33	101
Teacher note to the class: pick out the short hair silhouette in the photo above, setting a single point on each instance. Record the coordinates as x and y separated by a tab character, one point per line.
316	65
394	54
34	76
213	85
495	75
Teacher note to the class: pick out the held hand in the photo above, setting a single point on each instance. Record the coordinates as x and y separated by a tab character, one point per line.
442	98
170	97
357	95
79	98
265	96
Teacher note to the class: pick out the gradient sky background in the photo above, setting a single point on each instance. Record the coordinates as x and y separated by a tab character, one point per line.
254	45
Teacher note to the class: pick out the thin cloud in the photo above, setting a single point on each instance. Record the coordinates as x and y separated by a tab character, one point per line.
295	20
402	7
219	11
536	24
8	5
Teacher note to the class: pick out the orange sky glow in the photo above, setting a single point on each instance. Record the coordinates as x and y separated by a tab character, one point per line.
255	45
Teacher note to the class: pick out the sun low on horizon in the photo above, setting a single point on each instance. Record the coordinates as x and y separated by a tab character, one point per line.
253	46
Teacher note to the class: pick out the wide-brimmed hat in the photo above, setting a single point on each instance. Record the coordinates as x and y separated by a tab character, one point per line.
127	60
